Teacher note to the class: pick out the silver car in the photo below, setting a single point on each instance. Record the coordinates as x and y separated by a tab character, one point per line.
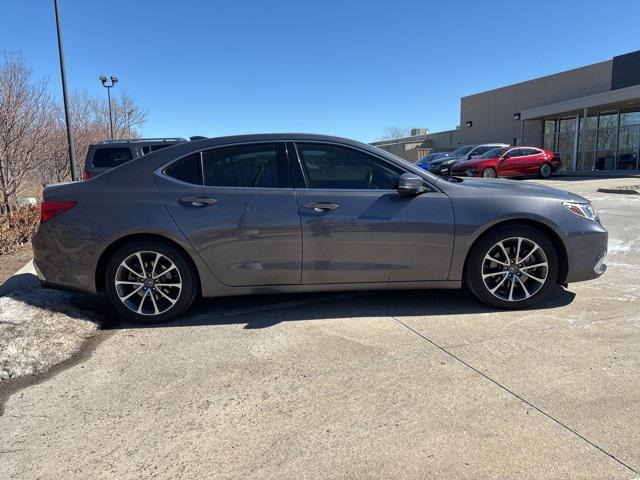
300	213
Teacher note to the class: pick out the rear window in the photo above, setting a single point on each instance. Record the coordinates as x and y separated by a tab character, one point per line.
111	157
152	148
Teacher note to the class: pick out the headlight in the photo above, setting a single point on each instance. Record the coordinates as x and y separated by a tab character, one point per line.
448	162
585	210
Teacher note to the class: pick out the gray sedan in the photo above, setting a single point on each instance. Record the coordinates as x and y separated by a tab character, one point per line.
299	213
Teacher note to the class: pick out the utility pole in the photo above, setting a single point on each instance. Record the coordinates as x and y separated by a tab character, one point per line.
63	75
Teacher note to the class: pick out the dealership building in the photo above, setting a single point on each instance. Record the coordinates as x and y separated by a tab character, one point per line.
589	115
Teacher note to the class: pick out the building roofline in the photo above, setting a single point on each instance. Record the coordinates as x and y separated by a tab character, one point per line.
584	67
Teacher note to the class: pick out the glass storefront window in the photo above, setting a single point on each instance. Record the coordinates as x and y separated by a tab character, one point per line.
630	118
605	160
627	160
608	120
607	138
589	123
549	126
549	142
629	138
606	141
585	161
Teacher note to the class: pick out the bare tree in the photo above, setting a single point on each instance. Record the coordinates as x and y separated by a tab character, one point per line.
395	132
127	116
90	124
25	125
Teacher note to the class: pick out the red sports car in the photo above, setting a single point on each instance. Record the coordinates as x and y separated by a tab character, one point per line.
510	162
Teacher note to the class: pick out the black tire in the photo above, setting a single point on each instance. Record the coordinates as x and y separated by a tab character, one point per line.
186	276
545	170
489	172
476	267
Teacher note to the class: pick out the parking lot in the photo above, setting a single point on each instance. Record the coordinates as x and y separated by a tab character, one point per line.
409	384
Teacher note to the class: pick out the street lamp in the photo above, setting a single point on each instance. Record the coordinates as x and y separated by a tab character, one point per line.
63	76
114	80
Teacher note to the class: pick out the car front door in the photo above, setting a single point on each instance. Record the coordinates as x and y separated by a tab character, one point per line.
237	207
508	163
356	227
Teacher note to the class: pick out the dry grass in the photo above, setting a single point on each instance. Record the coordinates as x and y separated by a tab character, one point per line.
18	228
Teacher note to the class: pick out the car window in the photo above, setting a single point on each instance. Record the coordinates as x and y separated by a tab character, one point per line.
462	151
336	167
239	166
481	150
187	169
160	146
515	152
110	157
242	166
530	151
494	152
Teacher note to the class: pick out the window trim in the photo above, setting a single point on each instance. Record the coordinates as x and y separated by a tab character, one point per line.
281	150
365	152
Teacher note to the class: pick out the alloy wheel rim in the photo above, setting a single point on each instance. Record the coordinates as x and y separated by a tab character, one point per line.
545	170
489	173
148	283
515	269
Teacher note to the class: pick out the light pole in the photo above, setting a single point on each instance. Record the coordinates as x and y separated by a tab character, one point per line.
129	112
63	75
114	80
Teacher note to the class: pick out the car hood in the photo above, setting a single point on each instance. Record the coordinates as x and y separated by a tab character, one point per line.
503	187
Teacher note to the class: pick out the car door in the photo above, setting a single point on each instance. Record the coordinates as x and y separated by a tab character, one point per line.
237	207
529	161
508	163
356	227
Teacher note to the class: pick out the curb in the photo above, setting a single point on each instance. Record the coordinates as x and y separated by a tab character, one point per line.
623	191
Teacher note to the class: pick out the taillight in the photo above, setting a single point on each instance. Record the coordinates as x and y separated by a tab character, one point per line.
86	175
50	209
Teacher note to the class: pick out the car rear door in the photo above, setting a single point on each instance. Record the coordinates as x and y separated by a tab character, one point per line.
356	227
529	161
237	207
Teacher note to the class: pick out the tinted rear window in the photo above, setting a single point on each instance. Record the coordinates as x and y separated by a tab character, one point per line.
187	169
111	157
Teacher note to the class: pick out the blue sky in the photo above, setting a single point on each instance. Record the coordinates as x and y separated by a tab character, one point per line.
349	68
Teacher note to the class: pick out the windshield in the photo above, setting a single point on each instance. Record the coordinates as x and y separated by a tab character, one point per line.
462	151
494	152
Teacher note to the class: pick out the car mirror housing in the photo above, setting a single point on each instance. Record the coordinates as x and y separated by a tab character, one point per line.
410	184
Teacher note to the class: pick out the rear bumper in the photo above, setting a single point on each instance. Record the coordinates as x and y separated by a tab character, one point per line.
64	262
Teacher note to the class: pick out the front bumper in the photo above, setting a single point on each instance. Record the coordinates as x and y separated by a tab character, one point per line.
586	245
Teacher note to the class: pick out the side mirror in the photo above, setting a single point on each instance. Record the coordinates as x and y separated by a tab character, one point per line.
410	184
506	157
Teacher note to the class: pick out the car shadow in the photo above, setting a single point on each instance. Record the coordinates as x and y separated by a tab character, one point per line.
263	311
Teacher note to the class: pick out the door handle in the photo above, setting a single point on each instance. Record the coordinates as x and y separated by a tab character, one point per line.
199	201
321	206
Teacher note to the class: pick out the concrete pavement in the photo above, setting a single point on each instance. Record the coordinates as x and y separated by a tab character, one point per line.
382	385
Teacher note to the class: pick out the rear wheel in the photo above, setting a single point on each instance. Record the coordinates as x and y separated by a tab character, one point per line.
545	170
514	266
489	172
149	281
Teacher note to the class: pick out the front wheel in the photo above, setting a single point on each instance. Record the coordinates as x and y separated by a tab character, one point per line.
514	266
490	172
149	281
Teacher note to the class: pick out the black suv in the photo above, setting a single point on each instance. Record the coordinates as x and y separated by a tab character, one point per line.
107	154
